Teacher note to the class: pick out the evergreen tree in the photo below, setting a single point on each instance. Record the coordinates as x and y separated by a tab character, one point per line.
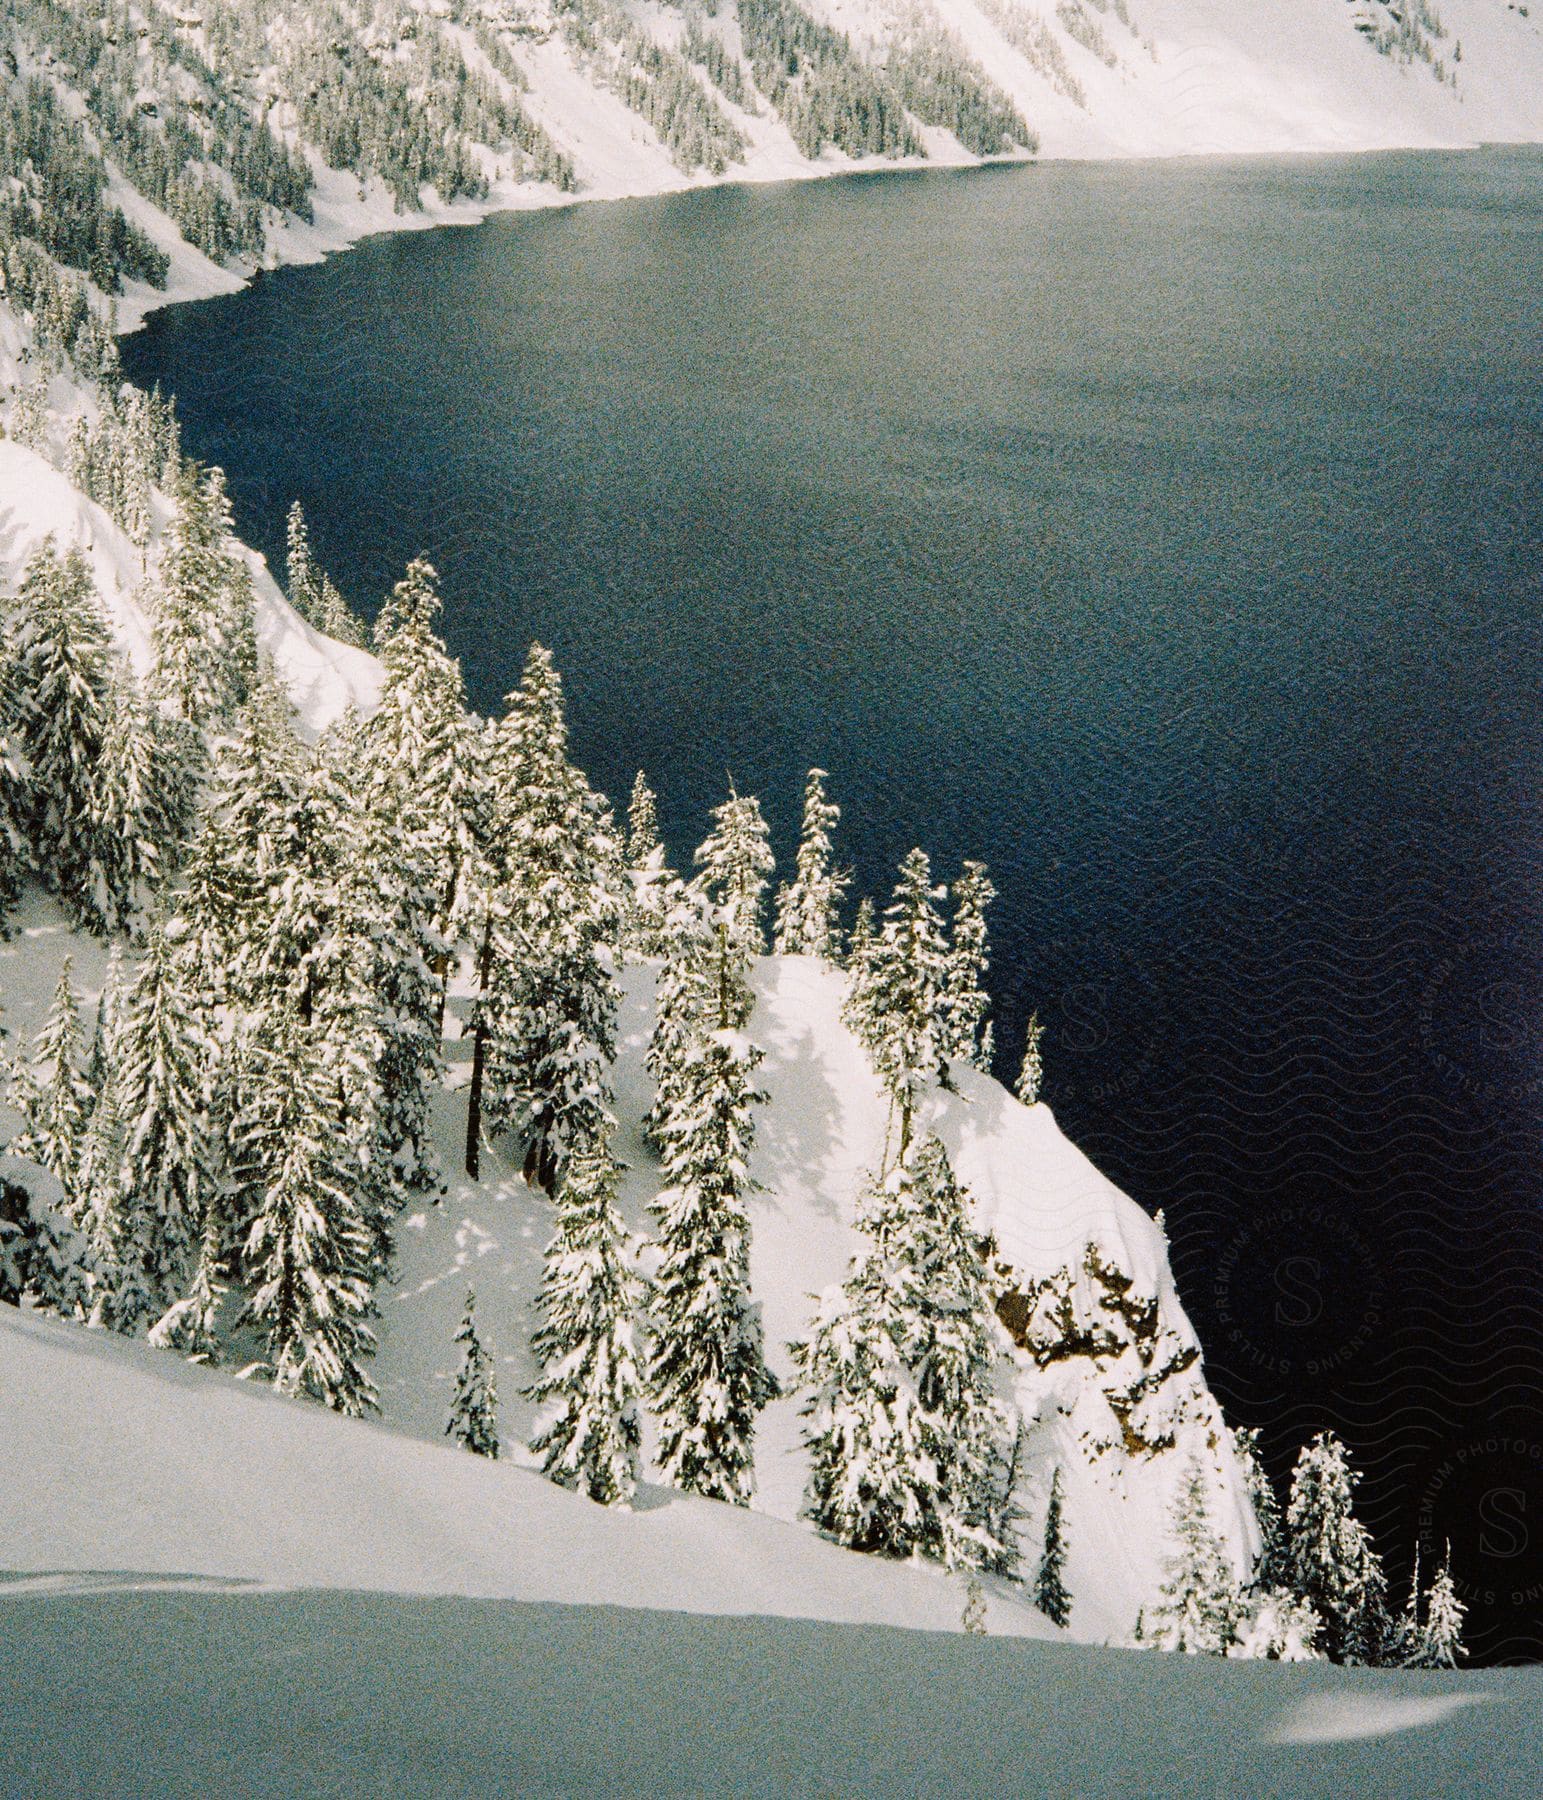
1332	1562
1271	1570
190	1325
1050	1594
549	1011
708	1378
473	1421
683	995
953	1353
642	824
860	943
585	1344
1440	1641
41	1258
300	566
735	861
973	1621
138	804
116	1230
59	1100
872	1482
167	1171
62	670
205	650
967	1035
424	762
15	796
1200	1602
907	1445
1032	1074
808	911
895	1003
308	1249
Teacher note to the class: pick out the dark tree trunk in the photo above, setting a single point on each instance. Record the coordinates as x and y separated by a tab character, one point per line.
479	1055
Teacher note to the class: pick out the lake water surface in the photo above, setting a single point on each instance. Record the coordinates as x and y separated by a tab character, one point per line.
1166	535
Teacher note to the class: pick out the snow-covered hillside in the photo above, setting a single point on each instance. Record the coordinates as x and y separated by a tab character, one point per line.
822	1128
210	1591
521	103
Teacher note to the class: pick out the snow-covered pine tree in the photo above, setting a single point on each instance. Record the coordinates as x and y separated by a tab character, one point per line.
872	1478
585	1344
967	1034
1200	1601
642	823
707	1376
1031	1074
238	865
139	800
58	1099
191	1325
1439	1644
735	863
203	634
117	1231
304	582
473	1421
62	676
424	766
683	997
1271	1570
549	1009
15	793
1332	1563
42	1258
1050	1594
336	618
897	1005
953	1354
160	1056
109	1003
657	892
809	910
308	1249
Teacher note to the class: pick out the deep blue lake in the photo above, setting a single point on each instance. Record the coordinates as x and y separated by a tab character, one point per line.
1166	535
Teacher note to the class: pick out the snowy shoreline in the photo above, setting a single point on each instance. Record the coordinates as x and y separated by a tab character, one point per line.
343	223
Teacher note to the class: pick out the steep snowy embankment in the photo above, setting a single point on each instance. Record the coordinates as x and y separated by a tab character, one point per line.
822	1128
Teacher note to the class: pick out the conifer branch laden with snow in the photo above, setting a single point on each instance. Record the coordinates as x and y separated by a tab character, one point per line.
707	1376
809	910
910	1451
473	1421
585	1344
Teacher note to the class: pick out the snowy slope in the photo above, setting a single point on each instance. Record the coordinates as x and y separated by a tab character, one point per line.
124	1458
37	502
207	1591
822	1128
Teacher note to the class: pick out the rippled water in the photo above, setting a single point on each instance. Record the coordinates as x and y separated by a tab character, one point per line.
1165	535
